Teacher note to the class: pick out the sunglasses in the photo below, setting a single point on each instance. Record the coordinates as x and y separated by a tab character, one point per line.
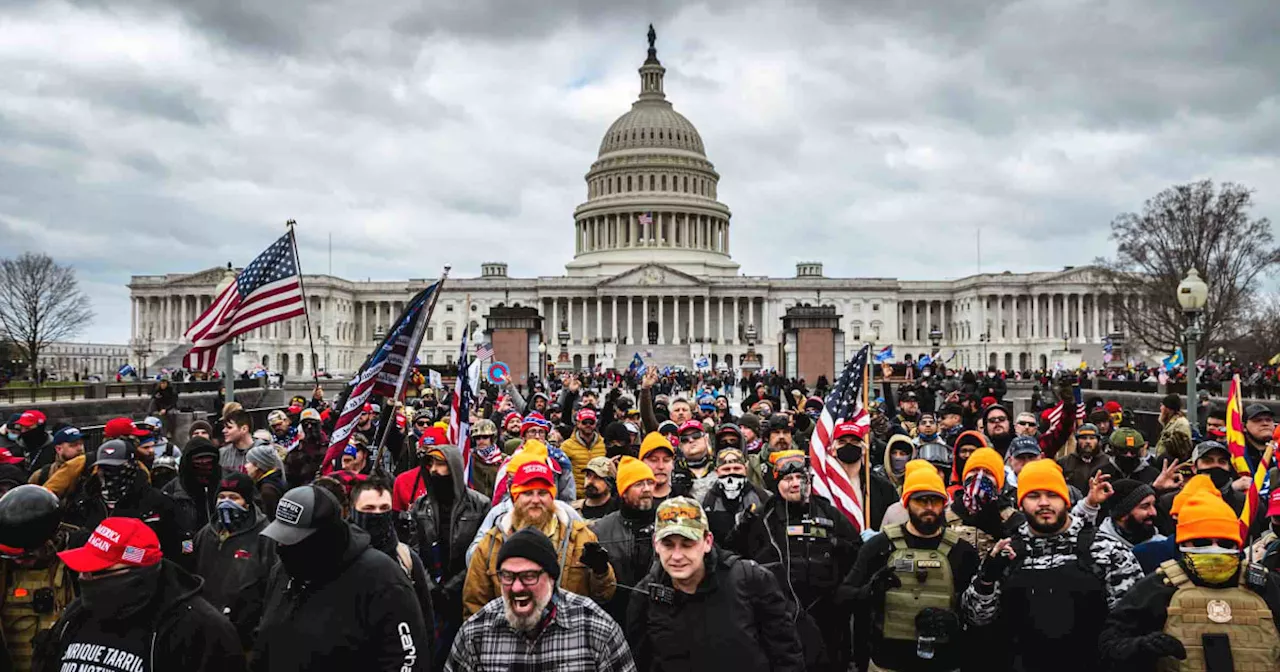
587	423
691	437
996	419
1024	423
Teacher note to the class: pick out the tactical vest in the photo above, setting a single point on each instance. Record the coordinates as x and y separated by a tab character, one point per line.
34	599
979	539
926	582
1237	612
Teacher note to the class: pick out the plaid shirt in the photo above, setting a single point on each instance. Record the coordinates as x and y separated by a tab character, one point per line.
579	638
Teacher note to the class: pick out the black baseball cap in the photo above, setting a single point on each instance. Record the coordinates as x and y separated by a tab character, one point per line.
301	512
1254	410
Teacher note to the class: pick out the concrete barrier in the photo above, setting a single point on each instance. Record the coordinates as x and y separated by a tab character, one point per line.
99	411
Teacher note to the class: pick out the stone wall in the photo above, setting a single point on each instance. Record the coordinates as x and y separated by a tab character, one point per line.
90	412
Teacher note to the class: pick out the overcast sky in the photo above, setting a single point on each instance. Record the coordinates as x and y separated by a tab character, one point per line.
141	137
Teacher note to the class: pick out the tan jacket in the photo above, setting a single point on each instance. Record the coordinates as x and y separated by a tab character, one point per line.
580	454
482	584
1175	438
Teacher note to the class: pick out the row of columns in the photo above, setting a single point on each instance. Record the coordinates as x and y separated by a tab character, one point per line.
693	318
1084	317
629	230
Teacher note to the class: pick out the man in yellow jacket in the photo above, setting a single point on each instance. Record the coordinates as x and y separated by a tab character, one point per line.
584	444
584	564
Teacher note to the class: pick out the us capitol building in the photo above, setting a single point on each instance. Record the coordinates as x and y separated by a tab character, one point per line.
653	273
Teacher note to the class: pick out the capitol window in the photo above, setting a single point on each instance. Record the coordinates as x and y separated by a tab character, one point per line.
448	333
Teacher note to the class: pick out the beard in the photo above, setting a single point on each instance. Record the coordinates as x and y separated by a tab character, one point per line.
524	623
1050	527
926	523
522	518
593	491
1138	532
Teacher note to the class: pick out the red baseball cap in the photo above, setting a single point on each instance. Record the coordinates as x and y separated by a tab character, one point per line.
850	429
529	475
7	457
1273	508
691	426
433	436
118	427
116	540
28	419
1112	406
585	414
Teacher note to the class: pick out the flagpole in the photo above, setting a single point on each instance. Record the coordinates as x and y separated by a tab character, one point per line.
868	372
306	305
415	342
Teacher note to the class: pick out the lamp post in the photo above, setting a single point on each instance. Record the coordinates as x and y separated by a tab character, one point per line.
935	339
228	349
984	338
542	360
1192	295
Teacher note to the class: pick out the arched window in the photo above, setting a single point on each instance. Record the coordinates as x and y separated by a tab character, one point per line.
628	183
300	366
664	182
686	184
651	183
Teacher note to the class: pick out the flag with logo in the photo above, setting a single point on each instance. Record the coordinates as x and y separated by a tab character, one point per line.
1055	414
1236	446
843	404
1174	360
885	354
460	410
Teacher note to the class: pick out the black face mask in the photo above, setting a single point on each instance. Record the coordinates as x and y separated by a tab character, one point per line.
380	526
1221	477
234	517
319	555
849	453
440	486
122	595
311	430
116	481
1126	463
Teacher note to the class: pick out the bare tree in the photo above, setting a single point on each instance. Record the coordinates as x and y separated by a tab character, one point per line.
40	302
1189	226
1259	338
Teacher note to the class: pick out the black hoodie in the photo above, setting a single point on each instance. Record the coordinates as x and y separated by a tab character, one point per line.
194	501
178	630
365	618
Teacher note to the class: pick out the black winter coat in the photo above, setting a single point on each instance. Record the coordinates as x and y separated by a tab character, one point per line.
235	572
466	514
179	630
366	618
737	620
142	502
629	541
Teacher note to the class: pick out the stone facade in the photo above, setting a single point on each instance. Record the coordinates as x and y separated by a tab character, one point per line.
652	274
66	359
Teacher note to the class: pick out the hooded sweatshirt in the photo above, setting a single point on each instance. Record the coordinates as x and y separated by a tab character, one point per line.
894	477
235	567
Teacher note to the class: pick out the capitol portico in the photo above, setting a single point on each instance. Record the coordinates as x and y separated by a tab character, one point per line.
652	273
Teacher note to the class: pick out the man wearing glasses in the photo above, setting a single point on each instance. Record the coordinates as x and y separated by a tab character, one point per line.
697	458
997	425
535	625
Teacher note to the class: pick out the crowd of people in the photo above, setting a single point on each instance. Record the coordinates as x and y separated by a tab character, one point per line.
647	521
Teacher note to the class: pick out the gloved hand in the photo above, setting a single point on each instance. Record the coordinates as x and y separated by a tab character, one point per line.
884	580
996	565
595	557
1160	644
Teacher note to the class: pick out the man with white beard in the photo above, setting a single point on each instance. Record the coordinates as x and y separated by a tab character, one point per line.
534	625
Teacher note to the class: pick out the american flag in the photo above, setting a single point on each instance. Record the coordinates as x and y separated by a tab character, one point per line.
381	373
484	351
646	219
267	290
133	554
843	404
1055	414
460	411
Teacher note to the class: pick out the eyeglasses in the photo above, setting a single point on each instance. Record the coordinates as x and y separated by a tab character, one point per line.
691	437
726	441
996	419
1026	423
422	423
536	433
587	423
527	578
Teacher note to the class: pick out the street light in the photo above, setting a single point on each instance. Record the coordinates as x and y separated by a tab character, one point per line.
935	339
1192	295
542	359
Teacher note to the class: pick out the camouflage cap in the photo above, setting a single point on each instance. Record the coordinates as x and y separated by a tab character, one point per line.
682	516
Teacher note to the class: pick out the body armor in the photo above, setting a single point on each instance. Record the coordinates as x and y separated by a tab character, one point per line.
927	582
977	538
1237	612
34	599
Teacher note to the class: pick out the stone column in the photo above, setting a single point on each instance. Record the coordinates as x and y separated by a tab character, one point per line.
644	319
555	320
613	319
133	317
599	320
1096	322
1035	316
751	315
733	306
1000	318
1080	317
662	323
706	319
928	318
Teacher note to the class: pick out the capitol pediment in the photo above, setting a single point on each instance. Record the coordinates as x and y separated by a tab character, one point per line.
1082	275
652	275
209	276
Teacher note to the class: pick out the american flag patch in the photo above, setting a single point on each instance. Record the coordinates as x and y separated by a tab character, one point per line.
188	547
132	554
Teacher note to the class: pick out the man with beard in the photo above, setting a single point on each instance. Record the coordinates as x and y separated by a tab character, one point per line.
119	488
1077	466
1203	610
195	491
445	519
584	563
627	534
412	484
282	430
533	624
906	584
68	444
334	602
777	437
1259	430
583	445
927	428
656	451
303	462
732	495
617	440
908	417
849	445
598	490
511	424
137	610
810	546
997	425
1127	445
703	608
1051	585
371	512
696	450
1129	513
233	558
980	513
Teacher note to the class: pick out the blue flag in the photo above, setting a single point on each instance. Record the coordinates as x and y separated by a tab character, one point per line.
127	370
637	365
924	361
885	354
1174	360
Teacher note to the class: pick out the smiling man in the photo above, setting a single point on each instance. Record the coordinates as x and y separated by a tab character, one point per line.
534	625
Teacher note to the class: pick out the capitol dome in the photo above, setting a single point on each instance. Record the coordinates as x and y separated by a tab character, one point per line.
651	193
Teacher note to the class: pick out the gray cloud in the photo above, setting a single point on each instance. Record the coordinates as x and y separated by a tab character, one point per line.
878	137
